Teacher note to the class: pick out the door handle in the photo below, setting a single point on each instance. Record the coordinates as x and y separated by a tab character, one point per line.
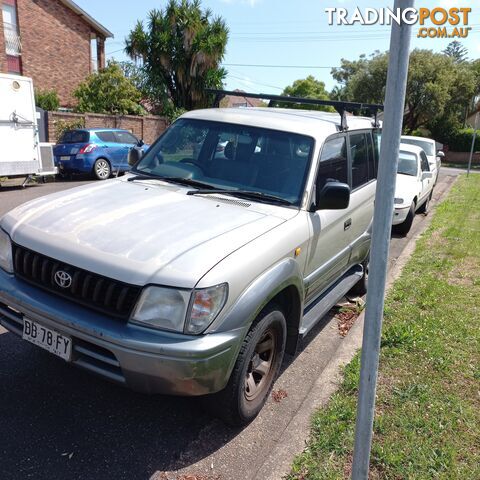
347	224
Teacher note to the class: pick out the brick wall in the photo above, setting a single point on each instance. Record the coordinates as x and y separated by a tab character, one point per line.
148	127
462	157
55	46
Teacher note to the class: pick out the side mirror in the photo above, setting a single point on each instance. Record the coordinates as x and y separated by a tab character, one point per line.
426	175
134	156
333	196
140	143
440	154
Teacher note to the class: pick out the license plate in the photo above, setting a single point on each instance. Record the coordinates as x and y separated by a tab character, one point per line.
48	339
65	158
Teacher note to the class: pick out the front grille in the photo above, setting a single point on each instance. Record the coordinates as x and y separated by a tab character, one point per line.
89	289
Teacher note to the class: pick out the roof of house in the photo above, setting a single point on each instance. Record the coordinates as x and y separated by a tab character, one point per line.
232	101
87	18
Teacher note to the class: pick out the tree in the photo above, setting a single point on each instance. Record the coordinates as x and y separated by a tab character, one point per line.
108	91
181	48
438	89
47	99
456	51
308	87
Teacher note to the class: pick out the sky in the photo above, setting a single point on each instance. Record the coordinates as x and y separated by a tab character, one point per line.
285	39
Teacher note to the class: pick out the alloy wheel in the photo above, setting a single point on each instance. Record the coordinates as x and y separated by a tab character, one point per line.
259	369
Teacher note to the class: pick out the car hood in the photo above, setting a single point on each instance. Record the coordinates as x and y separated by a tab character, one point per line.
139	232
406	187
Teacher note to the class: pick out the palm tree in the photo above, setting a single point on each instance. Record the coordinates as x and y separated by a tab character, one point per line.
181	49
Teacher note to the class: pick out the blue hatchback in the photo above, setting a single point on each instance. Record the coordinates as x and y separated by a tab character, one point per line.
99	151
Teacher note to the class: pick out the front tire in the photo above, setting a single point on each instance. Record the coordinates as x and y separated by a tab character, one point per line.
425	208
102	169
255	371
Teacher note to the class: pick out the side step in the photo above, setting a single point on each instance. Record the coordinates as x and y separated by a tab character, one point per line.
328	299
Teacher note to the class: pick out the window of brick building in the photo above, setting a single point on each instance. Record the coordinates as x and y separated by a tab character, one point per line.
13	46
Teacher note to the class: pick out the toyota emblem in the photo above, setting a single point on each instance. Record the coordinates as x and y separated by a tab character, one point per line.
63	279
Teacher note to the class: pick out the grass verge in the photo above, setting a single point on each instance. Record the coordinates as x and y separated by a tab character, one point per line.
427	422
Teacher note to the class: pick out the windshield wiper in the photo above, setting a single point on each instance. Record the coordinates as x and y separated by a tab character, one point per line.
178	180
265	197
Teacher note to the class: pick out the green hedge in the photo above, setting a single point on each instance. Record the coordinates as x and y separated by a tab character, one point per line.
461	141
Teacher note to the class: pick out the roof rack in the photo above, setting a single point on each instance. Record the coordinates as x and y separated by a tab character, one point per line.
341	107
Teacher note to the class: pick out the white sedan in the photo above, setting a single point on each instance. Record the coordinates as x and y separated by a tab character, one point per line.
413	188
429	146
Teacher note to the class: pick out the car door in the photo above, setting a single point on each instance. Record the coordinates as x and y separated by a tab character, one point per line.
125	142
109	148
329	249
363	185
426	183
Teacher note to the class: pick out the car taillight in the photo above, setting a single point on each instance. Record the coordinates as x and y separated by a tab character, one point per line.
88	148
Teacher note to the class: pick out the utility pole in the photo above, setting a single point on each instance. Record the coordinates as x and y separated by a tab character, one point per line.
475	126
382	221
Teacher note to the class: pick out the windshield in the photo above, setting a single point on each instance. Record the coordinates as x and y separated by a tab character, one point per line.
426	146
407	164
75	136
228	156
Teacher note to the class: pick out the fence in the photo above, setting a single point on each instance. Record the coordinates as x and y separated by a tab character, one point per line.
462	158
147	127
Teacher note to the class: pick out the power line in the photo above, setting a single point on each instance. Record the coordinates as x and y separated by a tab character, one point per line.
273	66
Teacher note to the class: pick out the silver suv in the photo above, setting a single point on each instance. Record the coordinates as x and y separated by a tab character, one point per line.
195	272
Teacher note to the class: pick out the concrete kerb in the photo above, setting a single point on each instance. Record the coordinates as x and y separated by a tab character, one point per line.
295	435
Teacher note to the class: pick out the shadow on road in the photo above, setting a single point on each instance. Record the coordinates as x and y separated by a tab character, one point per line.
60	422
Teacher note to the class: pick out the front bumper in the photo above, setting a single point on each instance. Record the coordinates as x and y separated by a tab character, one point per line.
142	359
400	215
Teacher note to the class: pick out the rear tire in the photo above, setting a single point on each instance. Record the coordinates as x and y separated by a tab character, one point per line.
404	228
101	169
255	371
361	287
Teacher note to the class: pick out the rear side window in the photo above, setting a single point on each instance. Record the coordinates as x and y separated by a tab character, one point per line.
75	136
363	159
106	136
333	162
424	162
126	137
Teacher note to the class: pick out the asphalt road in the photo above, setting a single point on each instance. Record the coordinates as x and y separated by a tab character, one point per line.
58	422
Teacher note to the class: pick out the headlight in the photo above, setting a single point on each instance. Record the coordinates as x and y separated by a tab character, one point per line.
168	308
6	260
398	201
206	305
162	308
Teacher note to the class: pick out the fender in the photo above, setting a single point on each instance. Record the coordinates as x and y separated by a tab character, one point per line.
259	293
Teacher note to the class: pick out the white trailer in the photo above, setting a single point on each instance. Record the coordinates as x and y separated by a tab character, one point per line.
21	153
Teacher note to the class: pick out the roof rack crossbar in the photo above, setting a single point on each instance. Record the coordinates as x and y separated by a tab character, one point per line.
341	107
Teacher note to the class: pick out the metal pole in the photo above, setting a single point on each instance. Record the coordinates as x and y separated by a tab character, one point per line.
382	221
475	125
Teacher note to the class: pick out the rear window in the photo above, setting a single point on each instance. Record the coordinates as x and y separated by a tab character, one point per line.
426	146
75	136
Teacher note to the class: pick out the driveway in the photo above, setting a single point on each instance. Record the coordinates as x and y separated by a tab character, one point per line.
58	422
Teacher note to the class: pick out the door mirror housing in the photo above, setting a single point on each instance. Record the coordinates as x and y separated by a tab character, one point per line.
426	175
134	156
440	154
332	196
140	143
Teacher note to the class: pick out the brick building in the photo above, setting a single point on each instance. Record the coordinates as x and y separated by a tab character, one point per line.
54	42
240	102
